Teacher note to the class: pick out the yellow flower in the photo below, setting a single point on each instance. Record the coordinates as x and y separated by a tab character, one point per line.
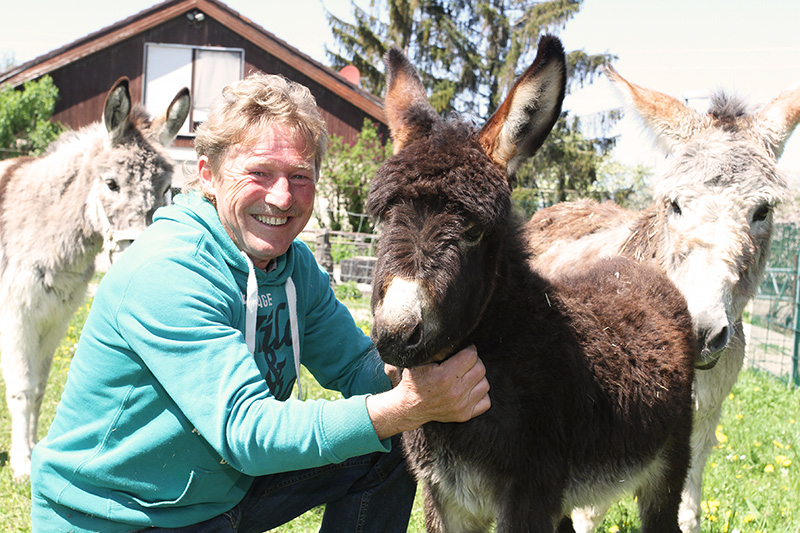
749	518
613	529
721	437
769	469
730	396
756	443
782	460
778	444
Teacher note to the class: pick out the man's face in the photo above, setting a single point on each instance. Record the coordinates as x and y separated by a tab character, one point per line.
264	192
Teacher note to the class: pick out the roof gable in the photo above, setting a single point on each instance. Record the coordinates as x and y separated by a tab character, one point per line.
234	21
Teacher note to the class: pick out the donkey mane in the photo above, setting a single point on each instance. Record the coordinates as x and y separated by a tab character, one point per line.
458	152
728	109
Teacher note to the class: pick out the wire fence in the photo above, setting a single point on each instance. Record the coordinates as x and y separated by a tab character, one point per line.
772	323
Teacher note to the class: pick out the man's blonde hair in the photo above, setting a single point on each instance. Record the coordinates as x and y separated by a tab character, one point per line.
252	104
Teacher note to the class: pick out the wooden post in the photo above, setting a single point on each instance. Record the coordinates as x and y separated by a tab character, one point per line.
322	253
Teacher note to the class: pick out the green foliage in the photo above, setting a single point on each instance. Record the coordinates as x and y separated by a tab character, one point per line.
345	177
569	166
347	290
468	54
25	126
625	185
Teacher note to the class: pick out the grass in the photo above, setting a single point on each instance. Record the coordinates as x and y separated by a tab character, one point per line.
752	479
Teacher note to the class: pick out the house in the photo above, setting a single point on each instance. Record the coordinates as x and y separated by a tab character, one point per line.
200	44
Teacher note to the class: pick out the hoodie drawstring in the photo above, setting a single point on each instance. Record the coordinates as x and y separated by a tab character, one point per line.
291	298
251	304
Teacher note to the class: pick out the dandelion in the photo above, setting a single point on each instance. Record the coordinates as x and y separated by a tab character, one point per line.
778	444
769	469
782	460
721	437
613	529
749	518
730	396
739	416
757	444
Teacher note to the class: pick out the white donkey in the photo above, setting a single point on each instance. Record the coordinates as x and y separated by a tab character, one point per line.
100	184
709	230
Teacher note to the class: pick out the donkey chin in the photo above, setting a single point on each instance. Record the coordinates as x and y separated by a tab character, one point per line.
405	347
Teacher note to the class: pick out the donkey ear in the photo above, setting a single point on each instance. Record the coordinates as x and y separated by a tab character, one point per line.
167	126
407	108
521	124
776	122
117	108
667	118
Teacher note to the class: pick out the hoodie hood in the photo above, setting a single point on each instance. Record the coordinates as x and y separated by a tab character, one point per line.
194	210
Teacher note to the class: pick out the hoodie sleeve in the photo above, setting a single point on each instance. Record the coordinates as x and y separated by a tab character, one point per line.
184	316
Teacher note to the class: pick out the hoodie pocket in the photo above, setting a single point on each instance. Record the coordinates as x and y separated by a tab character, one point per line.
203	486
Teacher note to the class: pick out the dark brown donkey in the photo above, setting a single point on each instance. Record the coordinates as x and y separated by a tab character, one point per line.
590	373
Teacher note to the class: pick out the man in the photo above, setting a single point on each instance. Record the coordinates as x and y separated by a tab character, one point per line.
176	412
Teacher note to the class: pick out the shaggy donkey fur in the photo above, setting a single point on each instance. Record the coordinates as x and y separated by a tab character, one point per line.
98	183
590	373
708	230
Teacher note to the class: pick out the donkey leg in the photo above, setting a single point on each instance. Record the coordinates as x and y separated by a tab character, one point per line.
534	508
25	364
659	495
445	514
711	388
20	397
586	519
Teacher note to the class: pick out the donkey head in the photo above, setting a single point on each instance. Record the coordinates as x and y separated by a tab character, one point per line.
133	172
715	200
443	202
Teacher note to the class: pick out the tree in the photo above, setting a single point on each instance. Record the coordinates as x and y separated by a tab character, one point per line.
468	55
25	126
345	177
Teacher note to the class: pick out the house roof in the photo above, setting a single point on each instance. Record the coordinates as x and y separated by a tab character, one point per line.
233	20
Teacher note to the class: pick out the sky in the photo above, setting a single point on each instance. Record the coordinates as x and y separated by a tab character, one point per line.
679	47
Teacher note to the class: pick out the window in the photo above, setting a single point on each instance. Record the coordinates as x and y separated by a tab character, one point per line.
204	70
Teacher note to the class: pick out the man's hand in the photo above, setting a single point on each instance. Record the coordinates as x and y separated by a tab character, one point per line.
455	390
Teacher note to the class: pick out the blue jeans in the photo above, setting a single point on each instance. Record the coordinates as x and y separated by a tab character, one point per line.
372	494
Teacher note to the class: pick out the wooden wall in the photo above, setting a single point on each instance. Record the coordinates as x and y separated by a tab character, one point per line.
83	83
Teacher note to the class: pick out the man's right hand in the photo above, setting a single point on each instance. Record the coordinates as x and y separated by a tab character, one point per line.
454	390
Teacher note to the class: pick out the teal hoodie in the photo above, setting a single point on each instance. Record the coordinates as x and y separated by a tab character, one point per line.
166	416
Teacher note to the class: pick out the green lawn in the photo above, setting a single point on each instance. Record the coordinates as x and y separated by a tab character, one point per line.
752	483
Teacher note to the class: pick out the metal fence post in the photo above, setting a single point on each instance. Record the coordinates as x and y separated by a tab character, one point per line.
796	327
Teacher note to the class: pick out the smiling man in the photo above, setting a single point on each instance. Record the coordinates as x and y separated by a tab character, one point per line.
177	415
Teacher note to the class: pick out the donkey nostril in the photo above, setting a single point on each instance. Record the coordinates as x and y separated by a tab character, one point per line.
719	341
416	336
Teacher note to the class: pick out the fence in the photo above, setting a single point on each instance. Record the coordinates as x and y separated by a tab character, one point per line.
773	319
352	253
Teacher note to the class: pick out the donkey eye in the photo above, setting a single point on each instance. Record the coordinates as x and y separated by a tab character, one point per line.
762	213
473	234
674	208
112	184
